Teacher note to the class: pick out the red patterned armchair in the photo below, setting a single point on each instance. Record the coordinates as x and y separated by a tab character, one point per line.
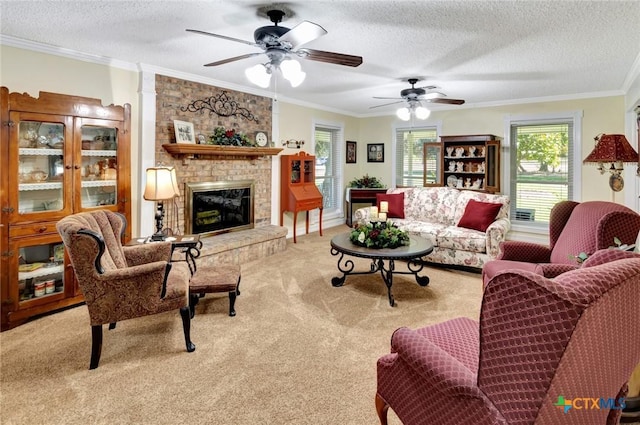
120	282
540	348
573	228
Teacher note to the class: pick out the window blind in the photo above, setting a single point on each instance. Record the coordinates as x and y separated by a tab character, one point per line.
542	166
408	155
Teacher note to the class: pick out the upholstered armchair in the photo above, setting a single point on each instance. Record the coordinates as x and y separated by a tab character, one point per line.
541	346
573	228
120	282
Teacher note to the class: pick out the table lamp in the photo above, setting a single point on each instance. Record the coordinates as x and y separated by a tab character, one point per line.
161	185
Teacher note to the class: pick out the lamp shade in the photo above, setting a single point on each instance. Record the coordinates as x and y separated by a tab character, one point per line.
258	75
162	184
404	114
612	148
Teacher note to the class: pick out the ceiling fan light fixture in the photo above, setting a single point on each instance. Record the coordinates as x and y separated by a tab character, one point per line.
292	71
259	75
404	114
422	113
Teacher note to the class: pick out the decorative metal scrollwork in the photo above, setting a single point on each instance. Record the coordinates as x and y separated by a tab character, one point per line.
221	105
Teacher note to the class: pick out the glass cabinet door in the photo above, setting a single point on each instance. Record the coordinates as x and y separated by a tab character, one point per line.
98	166
40	147
295	171
40	269
432	164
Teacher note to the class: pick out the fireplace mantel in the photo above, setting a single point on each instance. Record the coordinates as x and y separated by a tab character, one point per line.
182	149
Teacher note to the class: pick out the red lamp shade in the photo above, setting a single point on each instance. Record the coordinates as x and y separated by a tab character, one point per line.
612	148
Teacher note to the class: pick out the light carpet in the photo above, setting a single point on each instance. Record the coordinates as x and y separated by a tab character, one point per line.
299	351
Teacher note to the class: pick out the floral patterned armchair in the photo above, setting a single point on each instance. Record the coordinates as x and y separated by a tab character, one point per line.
120	282
540	348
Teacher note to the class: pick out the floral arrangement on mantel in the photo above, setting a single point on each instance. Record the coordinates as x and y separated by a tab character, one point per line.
224	137
366	182
379	234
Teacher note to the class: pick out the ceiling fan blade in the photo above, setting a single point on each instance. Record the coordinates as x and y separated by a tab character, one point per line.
302	33
233	59
396	98
441	100
386	104
330	57
427	87
250	43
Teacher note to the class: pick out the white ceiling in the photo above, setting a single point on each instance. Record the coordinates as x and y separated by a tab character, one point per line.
486	52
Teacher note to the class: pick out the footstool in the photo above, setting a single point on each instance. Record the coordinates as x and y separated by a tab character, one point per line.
207	280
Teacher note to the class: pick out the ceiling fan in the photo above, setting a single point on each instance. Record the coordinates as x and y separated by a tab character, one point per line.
416	95
280	44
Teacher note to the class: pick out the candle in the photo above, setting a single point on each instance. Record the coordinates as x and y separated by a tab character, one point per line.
382	216
384	206
374	212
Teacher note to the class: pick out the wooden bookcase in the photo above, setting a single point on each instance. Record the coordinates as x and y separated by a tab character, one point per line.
298	190
59	155
471	162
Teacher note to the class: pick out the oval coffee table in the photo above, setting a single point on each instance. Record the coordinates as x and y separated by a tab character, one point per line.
418	247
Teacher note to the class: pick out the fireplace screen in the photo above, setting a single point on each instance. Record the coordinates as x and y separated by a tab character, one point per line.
218	207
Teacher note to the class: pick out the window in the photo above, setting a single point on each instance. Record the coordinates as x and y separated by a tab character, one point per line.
409	154
542	166
329	154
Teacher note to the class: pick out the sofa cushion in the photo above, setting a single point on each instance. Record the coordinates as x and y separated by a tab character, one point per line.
427	230
479	215
459	238
396	203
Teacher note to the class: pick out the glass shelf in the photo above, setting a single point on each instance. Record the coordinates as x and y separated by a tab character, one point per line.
39	186
37	151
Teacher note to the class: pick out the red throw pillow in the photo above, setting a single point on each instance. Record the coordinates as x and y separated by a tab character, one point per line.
396	203
479	215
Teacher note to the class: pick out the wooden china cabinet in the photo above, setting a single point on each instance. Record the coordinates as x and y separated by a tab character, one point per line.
470	162
298	190
59	155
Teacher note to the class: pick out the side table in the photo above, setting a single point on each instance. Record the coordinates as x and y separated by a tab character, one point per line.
190	245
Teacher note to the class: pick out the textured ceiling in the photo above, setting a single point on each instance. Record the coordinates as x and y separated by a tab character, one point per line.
485	52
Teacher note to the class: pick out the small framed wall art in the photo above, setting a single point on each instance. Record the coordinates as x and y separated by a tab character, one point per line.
375	152
351	152
184	132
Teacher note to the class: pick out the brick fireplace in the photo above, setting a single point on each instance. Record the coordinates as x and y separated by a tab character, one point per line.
173	98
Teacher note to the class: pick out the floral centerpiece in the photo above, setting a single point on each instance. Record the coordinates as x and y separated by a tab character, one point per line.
366	182
379	234
224	137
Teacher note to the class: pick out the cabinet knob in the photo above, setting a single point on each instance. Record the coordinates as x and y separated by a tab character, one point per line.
42	229
68	167
77	167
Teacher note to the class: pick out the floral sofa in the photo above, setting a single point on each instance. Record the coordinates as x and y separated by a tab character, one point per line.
435	214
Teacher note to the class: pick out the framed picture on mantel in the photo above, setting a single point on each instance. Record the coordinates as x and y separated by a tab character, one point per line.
375	152
184	132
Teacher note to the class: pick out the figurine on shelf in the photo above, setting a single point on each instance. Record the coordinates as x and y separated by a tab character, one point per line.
467	182
459	152
477	184
472	151
452	166
460	167
459	185
481	167
449	151
482	151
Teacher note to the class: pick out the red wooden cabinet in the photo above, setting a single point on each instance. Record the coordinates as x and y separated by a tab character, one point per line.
298	190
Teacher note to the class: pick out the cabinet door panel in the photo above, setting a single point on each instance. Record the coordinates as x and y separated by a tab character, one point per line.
39	153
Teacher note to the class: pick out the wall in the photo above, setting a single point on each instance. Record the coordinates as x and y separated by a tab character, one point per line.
297	122
600	115
174	95
31	72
